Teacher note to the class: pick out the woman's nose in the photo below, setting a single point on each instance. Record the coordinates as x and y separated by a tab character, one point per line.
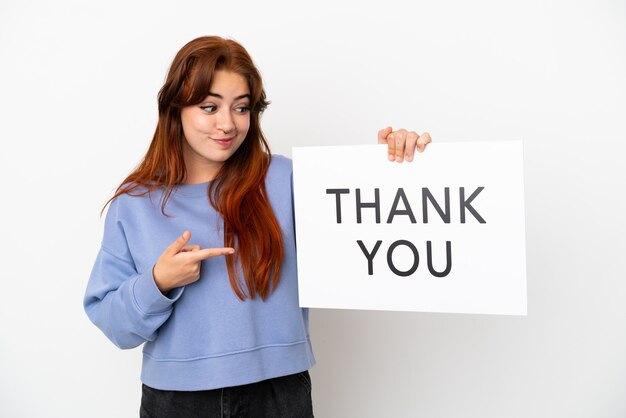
225	121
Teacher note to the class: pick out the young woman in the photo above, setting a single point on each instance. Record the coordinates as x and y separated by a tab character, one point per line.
198	257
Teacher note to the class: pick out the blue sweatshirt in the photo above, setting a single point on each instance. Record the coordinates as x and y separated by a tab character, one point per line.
200	336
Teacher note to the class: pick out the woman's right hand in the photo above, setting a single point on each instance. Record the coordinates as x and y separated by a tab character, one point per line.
179	264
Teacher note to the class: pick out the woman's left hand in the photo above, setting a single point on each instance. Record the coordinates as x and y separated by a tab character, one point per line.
401	144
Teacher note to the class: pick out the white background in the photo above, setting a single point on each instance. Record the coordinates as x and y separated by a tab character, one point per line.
78	86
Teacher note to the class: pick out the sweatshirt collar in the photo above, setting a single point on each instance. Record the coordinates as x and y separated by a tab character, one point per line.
193	190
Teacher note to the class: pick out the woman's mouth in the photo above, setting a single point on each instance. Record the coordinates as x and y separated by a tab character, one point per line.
224	142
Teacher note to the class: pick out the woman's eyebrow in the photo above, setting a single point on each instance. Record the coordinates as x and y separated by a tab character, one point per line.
219	96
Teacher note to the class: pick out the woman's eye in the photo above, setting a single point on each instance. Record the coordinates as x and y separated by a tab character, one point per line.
208	108
243	109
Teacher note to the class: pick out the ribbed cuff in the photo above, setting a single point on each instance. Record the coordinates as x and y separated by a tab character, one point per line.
149	298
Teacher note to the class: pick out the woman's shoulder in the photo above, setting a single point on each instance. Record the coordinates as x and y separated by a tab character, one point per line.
280	164
279	171
281	160
133	199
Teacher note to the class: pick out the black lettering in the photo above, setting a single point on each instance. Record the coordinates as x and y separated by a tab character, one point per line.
467	204
369	256
429	254
416	258
407	208
360	205
426	196
338	193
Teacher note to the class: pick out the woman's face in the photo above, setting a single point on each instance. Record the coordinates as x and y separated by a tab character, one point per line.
215	128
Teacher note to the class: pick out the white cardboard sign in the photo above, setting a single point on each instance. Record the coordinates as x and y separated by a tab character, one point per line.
444	233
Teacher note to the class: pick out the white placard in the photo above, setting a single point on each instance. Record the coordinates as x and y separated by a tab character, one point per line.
444	233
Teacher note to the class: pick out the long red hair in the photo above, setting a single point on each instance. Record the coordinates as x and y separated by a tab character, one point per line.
238	192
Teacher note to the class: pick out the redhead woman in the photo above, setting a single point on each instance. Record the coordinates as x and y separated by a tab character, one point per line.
198	258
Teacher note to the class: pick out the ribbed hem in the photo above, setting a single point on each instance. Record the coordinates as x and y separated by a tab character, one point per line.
227	370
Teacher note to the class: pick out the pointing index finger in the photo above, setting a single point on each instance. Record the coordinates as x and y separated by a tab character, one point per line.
206	253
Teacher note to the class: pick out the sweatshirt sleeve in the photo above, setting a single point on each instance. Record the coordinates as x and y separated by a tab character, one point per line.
125	304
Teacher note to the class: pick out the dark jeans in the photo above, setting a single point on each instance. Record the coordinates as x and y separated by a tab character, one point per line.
286	396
